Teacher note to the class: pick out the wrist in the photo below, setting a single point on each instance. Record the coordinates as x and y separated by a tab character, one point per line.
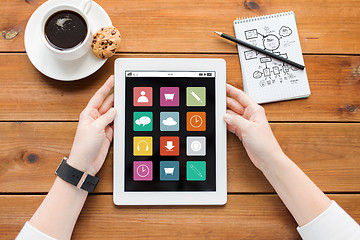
61	184
81	165
76	177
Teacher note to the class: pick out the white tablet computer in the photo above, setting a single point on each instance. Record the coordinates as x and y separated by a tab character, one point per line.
170	136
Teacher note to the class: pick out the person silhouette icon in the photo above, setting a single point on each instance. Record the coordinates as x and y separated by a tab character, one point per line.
143	98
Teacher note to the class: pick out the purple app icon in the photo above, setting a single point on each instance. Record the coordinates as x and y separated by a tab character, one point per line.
169	96
143	171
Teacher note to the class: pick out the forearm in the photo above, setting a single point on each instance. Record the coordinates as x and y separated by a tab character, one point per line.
59	211
301	196
57	214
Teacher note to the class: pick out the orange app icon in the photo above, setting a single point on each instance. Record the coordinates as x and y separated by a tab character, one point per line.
169	146
196	121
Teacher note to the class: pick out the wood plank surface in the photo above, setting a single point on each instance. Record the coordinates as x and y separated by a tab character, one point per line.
321	134
26	94
329	26
328	153
243	217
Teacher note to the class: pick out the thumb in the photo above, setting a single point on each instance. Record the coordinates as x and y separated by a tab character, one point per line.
235	120
106	118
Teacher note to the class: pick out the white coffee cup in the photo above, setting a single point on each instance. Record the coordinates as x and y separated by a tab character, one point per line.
84	47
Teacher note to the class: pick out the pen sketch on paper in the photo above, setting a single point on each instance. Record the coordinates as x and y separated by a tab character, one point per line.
270	71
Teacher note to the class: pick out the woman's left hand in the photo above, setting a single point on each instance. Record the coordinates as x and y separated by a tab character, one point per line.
94	132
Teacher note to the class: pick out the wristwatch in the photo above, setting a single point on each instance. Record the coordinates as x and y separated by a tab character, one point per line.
76	177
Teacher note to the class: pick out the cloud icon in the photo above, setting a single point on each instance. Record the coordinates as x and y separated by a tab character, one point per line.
169	122
145	120
285	31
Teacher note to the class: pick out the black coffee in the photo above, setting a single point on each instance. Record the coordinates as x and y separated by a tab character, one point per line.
65	30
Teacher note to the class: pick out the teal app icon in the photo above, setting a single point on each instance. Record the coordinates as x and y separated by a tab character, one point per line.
143	121
169	171
196	170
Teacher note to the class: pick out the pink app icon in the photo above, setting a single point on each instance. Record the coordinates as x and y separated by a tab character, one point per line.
143	171
169	96
143	96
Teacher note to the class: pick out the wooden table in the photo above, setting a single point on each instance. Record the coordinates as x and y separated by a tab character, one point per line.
38	118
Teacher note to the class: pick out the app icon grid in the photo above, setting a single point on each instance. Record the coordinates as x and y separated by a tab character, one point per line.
170	122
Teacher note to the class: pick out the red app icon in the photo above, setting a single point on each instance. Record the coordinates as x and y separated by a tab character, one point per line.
169	146
143	96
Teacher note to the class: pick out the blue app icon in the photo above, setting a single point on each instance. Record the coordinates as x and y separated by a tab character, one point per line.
169	121
169	171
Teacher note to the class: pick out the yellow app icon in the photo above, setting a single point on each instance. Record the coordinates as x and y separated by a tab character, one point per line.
142	146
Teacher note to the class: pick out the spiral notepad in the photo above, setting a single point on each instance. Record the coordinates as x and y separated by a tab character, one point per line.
266	79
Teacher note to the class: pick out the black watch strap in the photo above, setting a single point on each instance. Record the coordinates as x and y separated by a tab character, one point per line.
76	177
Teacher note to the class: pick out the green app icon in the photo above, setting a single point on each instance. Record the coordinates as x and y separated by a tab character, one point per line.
196	171
143	121
196	96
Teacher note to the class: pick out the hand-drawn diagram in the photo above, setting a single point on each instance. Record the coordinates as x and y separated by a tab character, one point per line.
270	71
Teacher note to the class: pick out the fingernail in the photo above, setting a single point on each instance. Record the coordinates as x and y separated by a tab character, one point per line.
226	117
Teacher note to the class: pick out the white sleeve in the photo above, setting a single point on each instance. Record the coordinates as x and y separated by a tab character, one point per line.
28	232
333	224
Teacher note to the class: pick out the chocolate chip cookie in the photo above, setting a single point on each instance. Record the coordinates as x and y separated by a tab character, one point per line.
105	42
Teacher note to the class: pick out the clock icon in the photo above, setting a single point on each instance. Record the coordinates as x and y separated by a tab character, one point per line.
142	170
196	121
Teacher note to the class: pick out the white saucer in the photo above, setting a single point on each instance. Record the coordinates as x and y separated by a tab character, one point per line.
46	62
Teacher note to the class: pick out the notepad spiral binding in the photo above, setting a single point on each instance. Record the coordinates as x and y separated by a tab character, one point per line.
263	17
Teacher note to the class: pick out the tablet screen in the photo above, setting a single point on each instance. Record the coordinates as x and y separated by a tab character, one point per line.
170	131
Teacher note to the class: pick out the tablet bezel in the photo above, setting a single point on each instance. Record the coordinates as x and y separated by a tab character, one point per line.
218	197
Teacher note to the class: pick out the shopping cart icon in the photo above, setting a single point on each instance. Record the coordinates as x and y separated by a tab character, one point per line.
169	171
169	96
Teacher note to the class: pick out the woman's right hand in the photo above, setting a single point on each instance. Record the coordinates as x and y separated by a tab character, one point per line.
248	121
